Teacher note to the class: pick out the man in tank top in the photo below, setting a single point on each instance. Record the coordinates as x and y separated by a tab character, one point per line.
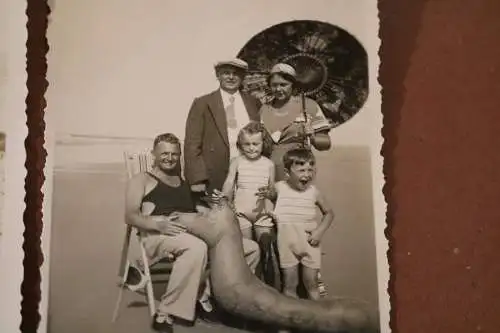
156	204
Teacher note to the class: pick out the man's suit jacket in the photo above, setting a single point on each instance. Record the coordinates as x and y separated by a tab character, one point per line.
206	144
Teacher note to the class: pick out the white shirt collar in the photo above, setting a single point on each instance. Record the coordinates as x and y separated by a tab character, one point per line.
225	96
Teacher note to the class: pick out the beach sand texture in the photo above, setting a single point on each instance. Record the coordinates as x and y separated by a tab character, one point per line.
88	230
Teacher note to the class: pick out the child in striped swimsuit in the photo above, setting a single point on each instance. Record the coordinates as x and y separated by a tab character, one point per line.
299	233
248	172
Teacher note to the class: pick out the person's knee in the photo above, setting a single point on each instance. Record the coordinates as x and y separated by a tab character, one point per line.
197	248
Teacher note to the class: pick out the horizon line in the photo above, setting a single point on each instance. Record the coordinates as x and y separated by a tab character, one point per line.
68	139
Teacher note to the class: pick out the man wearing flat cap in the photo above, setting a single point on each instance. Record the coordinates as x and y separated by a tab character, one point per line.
212	127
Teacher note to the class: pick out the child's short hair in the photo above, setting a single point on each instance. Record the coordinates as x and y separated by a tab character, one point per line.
298	156
254	127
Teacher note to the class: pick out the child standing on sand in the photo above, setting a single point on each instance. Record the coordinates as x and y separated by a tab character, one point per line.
299	233
248	172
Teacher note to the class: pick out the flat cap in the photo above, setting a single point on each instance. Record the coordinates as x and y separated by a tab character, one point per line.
238	63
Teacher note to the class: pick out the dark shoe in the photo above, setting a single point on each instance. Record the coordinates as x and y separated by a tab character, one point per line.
162	326
183	322
208	316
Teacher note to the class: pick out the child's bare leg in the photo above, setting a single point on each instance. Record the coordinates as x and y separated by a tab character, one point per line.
245	226
310	278
290	280
247	233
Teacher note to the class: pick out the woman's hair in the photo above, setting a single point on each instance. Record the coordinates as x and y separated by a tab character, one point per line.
168	138
254	127
285	76
298	156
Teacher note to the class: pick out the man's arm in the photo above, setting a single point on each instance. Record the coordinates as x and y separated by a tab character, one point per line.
194	166
321	139
228	187
272	176
269	192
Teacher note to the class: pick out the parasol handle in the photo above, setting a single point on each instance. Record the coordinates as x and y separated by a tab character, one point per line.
307	138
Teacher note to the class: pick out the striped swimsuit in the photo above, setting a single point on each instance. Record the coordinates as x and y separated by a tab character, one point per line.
296	214
251	175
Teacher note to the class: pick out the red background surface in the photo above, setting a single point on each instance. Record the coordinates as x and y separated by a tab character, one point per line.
441	86
441	81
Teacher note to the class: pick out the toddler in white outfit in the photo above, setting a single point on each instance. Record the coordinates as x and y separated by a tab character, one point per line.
249	172
299	233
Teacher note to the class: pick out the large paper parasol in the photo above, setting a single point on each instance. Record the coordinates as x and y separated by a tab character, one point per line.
331	65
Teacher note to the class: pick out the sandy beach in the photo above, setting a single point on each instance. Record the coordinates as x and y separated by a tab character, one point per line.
88	230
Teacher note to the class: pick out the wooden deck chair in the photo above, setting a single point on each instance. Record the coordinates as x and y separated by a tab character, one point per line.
135	163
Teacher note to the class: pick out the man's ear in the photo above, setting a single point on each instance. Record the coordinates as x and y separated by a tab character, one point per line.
217	73
152	152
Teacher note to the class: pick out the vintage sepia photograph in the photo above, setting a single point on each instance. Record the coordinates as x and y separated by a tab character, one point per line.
13	133
214	167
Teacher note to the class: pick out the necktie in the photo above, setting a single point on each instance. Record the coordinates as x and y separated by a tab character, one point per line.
230	114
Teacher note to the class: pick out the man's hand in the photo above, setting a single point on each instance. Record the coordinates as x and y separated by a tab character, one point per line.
201	187
169	225
314	237
218	195
308	129
305	123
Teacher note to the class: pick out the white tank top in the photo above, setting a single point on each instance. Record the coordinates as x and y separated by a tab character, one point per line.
251	175
295	207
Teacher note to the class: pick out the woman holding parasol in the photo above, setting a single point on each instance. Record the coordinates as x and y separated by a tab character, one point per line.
292	120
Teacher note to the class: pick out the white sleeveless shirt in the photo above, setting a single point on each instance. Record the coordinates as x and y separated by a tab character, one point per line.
251	175
295	207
